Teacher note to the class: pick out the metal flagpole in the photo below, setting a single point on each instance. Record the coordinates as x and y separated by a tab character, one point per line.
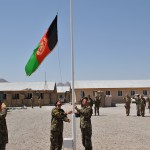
72	69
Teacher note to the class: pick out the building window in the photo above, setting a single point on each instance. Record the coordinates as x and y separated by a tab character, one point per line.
145	92
108	93
15	96
1	95
29	96
132	93
94	93
119	93
82	94
42	95
60	96
4	96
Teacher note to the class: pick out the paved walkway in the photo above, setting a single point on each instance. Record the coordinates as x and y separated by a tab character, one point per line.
29	129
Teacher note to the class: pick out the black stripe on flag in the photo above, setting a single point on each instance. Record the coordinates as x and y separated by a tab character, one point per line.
52	35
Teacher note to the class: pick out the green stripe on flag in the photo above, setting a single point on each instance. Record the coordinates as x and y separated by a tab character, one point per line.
32	63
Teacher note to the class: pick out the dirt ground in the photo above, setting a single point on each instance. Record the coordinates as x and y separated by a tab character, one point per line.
29	129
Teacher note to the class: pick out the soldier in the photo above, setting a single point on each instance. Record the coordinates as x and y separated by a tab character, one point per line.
32	101
3	126
97	103
148	99
138	104
143	104
90	101
40	101
85	123
58	116
81	102
127	100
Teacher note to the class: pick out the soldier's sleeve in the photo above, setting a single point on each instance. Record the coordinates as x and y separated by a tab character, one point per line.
3	113
58	114
86	112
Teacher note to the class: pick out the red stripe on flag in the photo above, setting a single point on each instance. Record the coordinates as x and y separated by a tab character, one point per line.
43	50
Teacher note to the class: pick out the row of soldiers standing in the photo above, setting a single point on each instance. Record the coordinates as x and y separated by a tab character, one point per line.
140	104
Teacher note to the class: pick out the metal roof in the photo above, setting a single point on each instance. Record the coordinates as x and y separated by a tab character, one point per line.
112	84
20	86
63	89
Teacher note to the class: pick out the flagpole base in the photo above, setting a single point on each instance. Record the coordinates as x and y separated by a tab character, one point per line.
68	143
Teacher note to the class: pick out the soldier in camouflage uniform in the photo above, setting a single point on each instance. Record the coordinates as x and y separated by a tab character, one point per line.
32	100
3	126
148	100
90	101
40	101
138	104
97	103
58	116
85	123
143	104
127	100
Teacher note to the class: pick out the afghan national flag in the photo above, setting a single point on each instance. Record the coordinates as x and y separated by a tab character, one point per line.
46	45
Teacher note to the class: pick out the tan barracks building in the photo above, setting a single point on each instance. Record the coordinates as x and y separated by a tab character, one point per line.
20	93
113	89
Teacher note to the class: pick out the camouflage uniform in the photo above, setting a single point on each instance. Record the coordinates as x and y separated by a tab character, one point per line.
90	102
3	129
143	104
138	105
86	127
56	137
97	104
40	102
127	100
32	102
148	99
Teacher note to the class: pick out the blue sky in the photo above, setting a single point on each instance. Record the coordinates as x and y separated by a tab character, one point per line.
111	39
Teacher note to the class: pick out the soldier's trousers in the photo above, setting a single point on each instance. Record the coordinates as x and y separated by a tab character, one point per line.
3	146
143	110
138	108
127	106
127	111
96	108
86	138
56	139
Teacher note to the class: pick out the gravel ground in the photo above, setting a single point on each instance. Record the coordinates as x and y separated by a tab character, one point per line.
29	129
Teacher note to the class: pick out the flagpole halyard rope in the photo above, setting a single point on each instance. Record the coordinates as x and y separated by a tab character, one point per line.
59	65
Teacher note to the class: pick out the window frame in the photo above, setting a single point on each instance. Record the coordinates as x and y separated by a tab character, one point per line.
144	92
133	91
108	92
120	93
